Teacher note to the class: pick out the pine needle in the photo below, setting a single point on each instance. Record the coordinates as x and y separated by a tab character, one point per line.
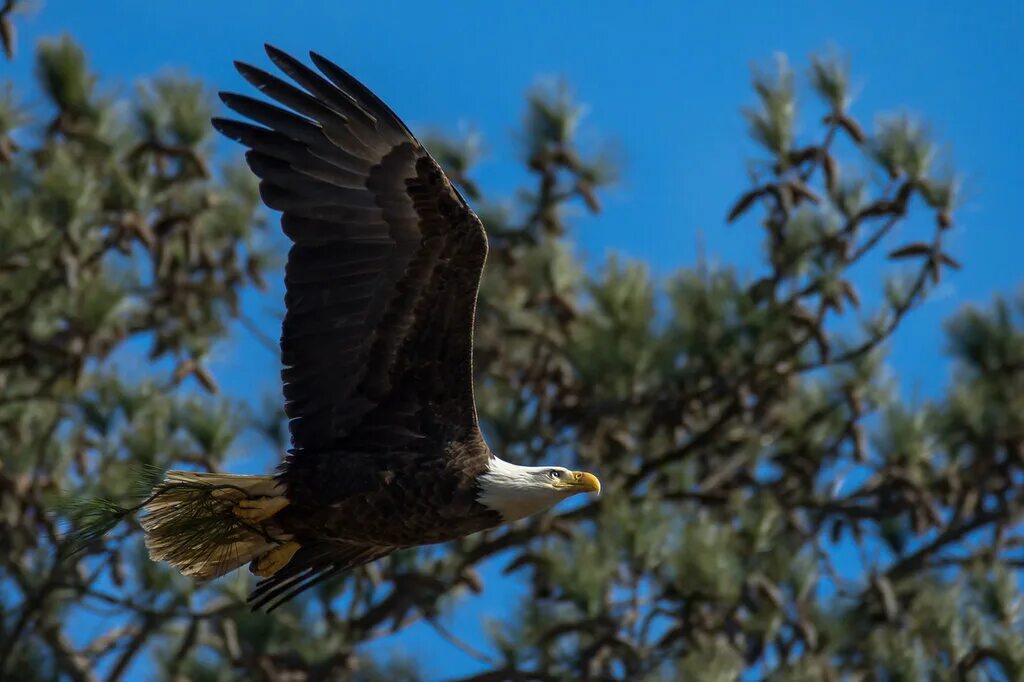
147	477
89	519
188	520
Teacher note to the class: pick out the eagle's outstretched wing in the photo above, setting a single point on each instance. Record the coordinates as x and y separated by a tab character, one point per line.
383	274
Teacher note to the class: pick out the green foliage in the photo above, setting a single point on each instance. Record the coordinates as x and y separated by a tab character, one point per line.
830	78
91	518
772	508
65	79
902	146
112	237
772	122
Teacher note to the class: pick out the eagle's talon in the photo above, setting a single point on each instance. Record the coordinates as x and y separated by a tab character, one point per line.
274	560
259	509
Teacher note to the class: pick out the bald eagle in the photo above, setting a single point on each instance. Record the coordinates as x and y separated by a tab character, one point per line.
377	346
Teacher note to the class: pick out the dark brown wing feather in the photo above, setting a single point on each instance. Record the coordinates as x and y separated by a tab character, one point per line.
382	277
310	566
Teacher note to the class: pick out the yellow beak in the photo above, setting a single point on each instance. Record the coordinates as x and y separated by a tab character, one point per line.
585	482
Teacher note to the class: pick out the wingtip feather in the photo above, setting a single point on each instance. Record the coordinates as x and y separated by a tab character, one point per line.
321	60
278	56
222	125
254	75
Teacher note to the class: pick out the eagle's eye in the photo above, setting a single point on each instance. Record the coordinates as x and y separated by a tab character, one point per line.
554	474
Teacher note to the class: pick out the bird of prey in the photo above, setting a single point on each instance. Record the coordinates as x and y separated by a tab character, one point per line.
376	348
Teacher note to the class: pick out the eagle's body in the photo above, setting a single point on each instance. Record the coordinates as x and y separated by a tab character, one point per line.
408	501
377	346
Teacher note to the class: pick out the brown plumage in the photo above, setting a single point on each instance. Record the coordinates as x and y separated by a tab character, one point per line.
377	342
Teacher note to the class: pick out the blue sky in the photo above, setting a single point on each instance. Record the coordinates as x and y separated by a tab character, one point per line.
665	80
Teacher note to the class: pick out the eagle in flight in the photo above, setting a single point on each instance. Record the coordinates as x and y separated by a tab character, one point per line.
376	347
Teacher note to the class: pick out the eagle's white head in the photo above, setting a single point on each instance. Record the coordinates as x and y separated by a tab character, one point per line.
517	492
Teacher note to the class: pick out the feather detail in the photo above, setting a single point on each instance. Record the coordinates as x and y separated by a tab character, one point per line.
190	522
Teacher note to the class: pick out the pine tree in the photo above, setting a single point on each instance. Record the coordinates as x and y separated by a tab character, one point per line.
749	436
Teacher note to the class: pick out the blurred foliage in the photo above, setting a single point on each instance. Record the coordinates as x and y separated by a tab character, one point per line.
772	508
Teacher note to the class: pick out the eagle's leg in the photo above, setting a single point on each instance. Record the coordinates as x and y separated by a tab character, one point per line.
259	509
274	560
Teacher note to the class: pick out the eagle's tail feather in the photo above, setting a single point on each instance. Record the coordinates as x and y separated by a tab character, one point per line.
191	522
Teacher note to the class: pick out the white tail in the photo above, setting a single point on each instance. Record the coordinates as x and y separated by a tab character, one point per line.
190	523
